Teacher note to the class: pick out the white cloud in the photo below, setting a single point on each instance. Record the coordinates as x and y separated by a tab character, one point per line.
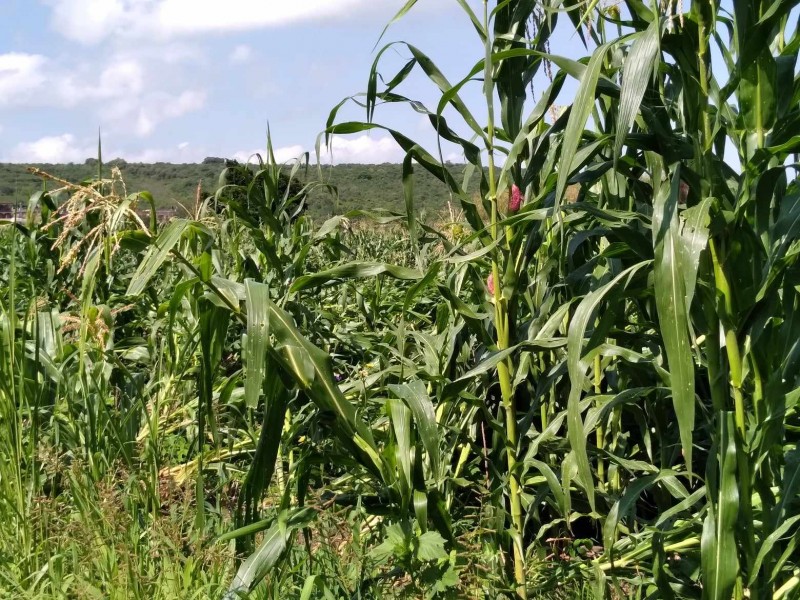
51	149
33	79
175	53
142	114
362	149
190	16
163	53
20	75
282	155
241	54
182	153
67	147
125	99
170	107
91	21
124	78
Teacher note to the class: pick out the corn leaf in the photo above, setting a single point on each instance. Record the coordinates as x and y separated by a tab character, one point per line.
636	74
156	255
719	561
670	291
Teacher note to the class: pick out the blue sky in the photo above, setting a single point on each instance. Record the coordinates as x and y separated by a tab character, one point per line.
179	80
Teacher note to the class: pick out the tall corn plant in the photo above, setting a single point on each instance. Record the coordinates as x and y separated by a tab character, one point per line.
670	275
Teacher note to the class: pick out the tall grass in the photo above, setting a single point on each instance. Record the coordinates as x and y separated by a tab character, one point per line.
583	393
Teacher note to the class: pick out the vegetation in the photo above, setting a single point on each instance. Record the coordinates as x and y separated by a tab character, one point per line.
583	396
359	186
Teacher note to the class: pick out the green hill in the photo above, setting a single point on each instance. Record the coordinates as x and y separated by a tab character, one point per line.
360	186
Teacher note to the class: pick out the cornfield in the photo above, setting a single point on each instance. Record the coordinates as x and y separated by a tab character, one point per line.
582	382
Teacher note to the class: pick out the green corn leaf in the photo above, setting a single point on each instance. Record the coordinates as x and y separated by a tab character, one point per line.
213	327
421	509
758	94
418	286
247	530
495	358
299	362
581	109
719	561
262	467
530	129
259	378
308	587
400	418
584	313
408	195
257	340
684	505
156	255
438	78
399	15
552	483
670	291
693	240
423	159
636	74
769	544
791	482
624	505
416	396
270	551
311	369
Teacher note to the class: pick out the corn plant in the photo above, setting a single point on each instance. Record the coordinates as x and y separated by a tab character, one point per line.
670	278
